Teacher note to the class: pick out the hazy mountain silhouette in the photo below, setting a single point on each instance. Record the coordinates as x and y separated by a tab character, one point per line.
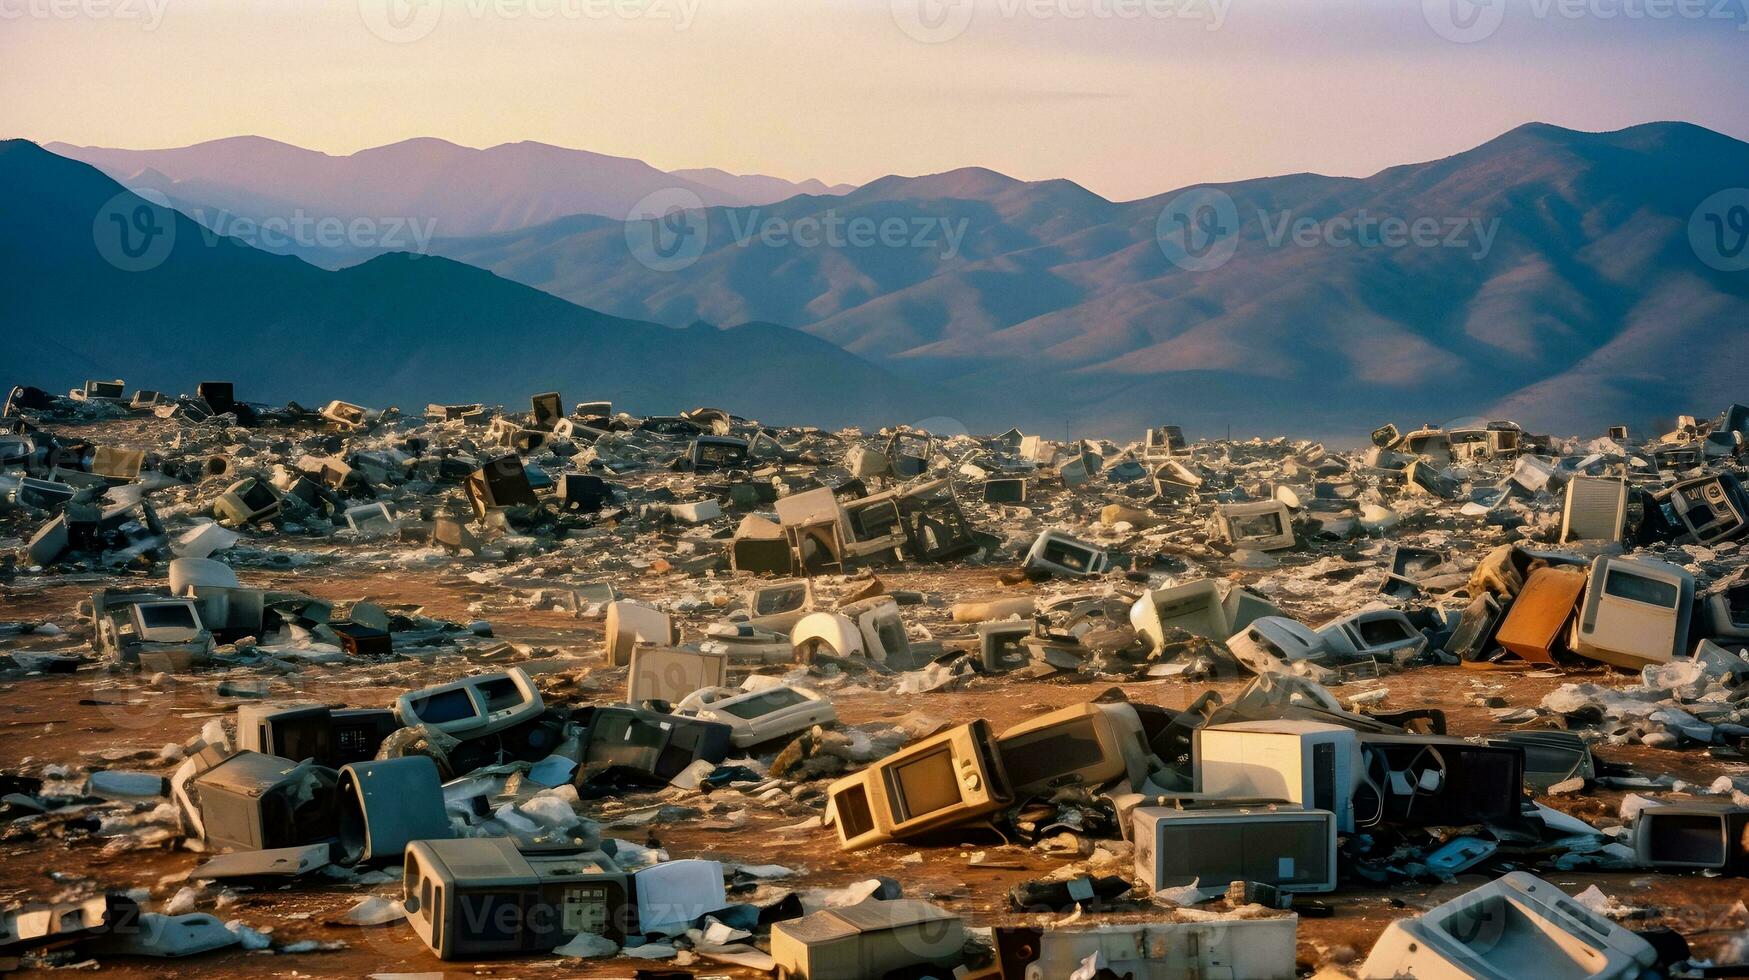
398	329
1587	307
465	191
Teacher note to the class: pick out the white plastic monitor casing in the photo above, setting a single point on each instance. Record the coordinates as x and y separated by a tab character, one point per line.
1253	949
671	895
1275	643
1195	607
629	624
749	727
1372	633
139	612
484	719
1283	845
664	673
1624	620
1314	764
1231	520
1515	926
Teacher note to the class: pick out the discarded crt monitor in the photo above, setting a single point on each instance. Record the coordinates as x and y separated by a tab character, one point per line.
1473	639
584	492
385	805
1005	490
499	482
946	780
1436	780
247	501
1695	835
1595	509
665	673
1726	612
1702	510
1264	525
547	409
1636	612
1087	744
473	706
708	454
873	938
629	624
1283	845
1515	923
252	801
1056	553
1313	764
672	895
761	715
1373	633
1276	643
1194	607
332	737
485	896
999	646
649	746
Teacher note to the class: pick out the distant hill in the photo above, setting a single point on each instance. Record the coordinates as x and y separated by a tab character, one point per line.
459	190
1587	306
398	329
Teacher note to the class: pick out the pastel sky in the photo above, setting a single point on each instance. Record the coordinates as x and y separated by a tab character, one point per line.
1129	97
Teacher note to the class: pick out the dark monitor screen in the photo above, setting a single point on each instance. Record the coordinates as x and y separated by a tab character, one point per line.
1257	525
1050	751
1686	838
1377	632
452	705
924	785
174	615
501	694
258	497
1639	588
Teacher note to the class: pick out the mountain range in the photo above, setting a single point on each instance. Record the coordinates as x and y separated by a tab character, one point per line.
1558	286
176	305
457	190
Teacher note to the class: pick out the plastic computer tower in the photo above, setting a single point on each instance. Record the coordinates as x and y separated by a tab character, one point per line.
952	778
1084	744
1311	763
1514	926
1437	780
256	802
1535	626
872	938
484	896
331	737
649	746
1595	509
1700	835
665	673
386	805
1636	612
1291	848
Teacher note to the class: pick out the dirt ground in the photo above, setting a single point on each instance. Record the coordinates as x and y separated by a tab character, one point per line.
54	719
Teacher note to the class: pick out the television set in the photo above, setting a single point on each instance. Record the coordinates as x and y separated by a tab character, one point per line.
1087	744
947	780
332	737
648	747
1056	553
1264	525
254	802
1697	835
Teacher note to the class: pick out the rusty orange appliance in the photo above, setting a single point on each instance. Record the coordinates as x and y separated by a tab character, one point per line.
1538	619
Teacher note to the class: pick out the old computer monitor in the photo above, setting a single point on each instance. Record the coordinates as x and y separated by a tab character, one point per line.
1084	744
473	706
946	780
1283	845
1636	612
486	896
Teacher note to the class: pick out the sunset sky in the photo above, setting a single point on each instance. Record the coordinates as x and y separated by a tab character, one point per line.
1129	97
